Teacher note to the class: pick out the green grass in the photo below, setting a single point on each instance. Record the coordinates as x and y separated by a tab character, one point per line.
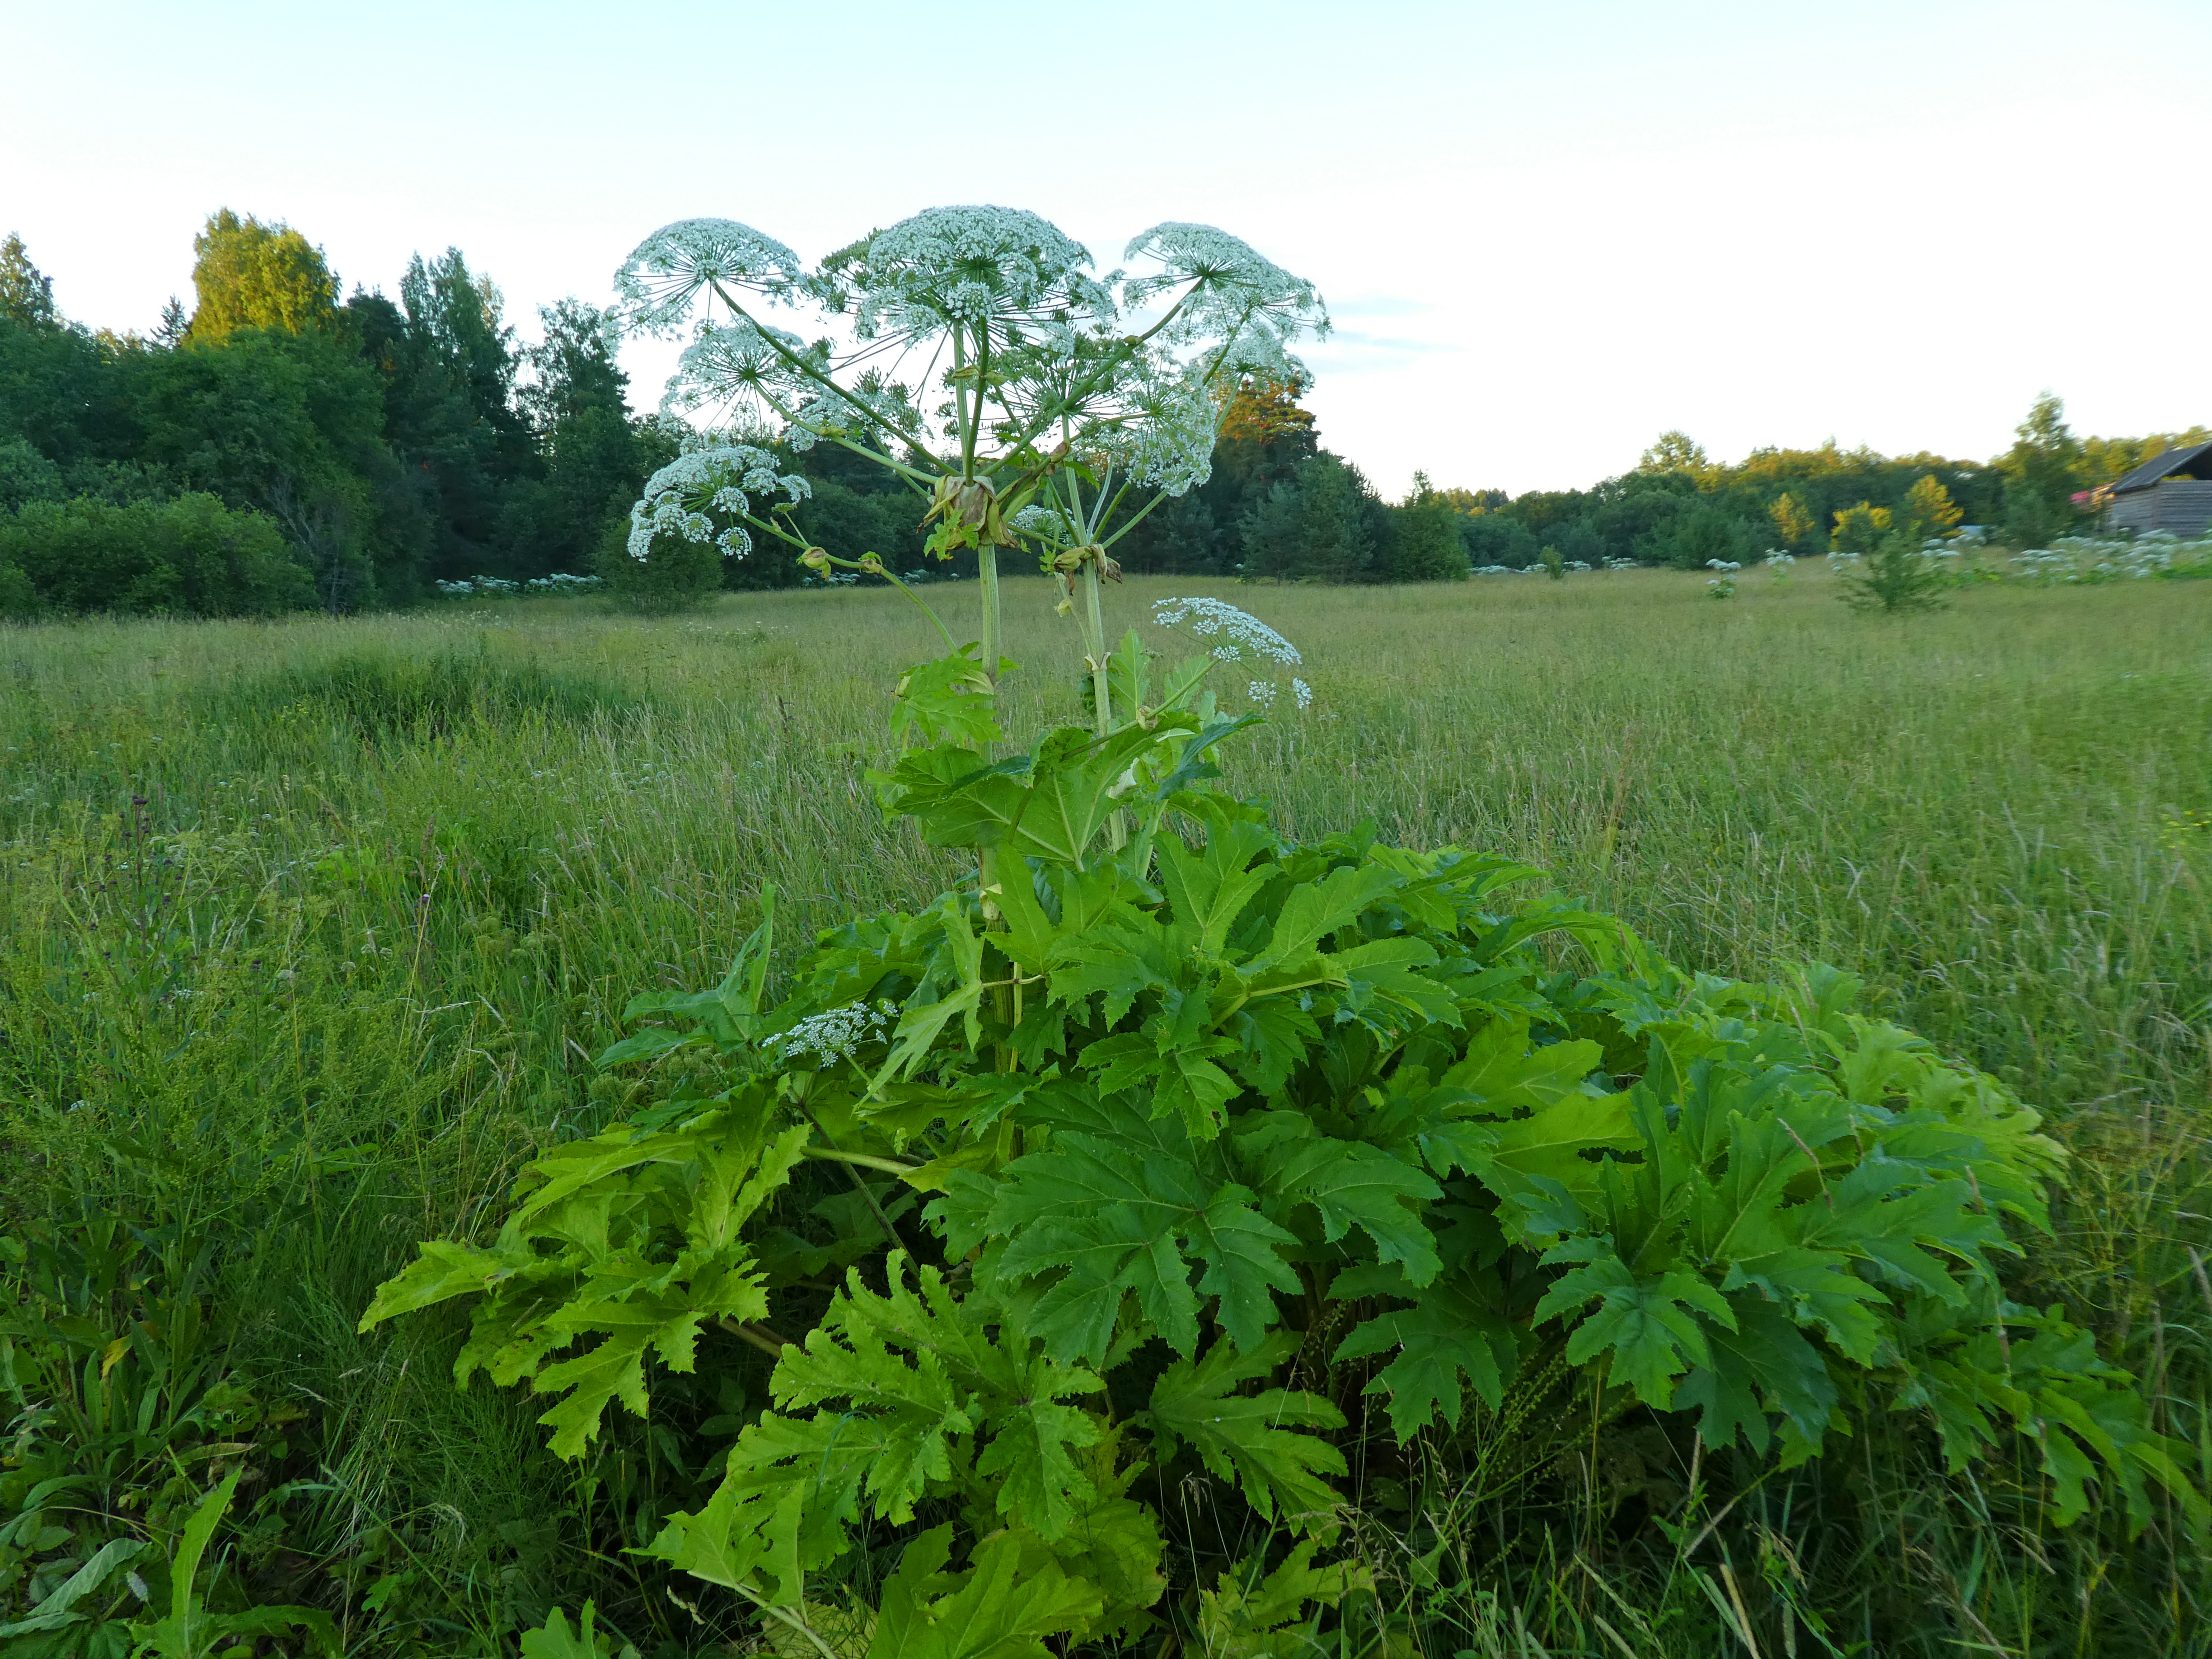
310	928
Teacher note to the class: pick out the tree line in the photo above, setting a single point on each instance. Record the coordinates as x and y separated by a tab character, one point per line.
279	446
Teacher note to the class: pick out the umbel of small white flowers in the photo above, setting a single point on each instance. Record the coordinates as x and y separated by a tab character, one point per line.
1231	633
837	1034
1027	399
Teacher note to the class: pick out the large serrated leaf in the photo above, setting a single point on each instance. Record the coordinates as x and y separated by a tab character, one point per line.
1251	1439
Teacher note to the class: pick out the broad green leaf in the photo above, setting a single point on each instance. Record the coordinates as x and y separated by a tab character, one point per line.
949	699
999	1611
1647	1329
1351	1185
1179	1072
1552	1141
745	1537
1244	1616
1251	1439
1311	912
1505	1073
442	1272
1764	1366
55	1609
554	1639
1108	1214
1449	1332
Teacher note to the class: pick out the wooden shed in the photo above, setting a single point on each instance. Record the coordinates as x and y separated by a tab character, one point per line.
2171	492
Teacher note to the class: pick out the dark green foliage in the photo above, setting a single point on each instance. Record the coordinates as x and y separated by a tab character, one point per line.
119	1386
1322	524
190	557
1427	546
681	575
390	443
287	424
27	476
848	523
1701	533
1492	538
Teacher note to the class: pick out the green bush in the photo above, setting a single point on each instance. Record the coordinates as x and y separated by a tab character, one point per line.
680	575
192	556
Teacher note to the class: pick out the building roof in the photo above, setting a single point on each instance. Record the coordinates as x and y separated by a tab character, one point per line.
2174	460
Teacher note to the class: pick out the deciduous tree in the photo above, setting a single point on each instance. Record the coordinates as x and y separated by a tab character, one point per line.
252	275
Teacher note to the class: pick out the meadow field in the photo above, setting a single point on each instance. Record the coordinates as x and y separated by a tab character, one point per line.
309	930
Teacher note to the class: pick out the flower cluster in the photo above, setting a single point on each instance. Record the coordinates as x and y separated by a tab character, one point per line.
735	362
1251	305
2086	560
684	496
970	265
836	1035
1167	441
670	269
1239	630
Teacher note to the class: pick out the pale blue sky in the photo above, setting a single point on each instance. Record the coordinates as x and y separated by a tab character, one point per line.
1547	231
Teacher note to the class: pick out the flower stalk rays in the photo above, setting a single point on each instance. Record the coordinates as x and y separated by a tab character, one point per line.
1028	401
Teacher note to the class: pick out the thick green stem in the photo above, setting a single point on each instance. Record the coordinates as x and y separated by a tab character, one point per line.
1101	679
987	571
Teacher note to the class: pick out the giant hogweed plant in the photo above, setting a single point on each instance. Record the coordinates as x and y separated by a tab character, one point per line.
1182	1154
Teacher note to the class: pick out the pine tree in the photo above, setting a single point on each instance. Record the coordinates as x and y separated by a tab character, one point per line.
1427	547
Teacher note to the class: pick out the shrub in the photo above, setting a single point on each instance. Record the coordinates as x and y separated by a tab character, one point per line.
681	575
1902	573
1427	547
192	556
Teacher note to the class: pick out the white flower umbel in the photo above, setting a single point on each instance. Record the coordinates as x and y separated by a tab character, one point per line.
1238	631
837	1035
1237	636
685	496
960	265
737	364
668	272
1233	293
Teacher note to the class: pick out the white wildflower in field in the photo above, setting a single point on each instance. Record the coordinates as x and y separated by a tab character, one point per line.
671	268
836	1035
713	477
960	265
1236	295
1241	631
